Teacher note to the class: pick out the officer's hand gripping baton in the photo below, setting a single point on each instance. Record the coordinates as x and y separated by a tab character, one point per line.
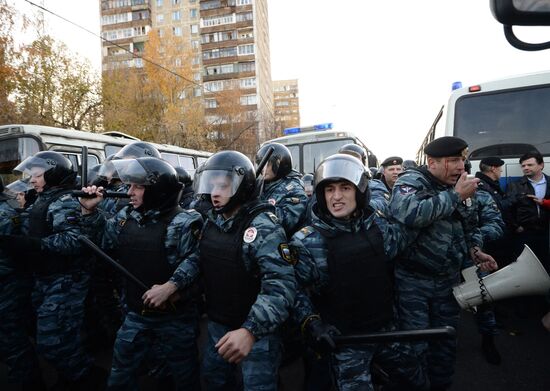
92	246
396	336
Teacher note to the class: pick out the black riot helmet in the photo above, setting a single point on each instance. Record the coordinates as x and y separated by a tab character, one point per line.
1	184
57	169
281	159
354	150
137	149
162	188
184	177
231	170
337	168
409	164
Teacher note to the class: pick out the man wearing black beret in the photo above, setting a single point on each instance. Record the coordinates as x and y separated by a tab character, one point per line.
391	168
433	202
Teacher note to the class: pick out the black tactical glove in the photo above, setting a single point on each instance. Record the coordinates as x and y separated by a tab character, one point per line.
319	334
20	244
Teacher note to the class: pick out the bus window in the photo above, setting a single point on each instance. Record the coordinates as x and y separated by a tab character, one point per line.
315	153
112	149
187	163
14	150
200	161
295	153
507	117
171	158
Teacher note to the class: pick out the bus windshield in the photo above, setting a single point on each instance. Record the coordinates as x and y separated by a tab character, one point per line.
315	153
506	123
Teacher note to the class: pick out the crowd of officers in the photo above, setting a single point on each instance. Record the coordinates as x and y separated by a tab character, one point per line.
278	264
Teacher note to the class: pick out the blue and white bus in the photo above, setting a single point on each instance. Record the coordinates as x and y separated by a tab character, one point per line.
504	118
310	145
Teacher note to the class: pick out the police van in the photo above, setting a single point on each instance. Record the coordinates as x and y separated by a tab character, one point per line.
310	145
504	118
17	142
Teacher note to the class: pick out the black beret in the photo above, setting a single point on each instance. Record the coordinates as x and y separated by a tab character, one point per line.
392	161
492	161
446	146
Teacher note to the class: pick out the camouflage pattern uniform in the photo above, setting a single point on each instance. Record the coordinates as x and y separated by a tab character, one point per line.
490	223
173	333
15	347
290	200
61	285
351	365
427	270
261	255
379	195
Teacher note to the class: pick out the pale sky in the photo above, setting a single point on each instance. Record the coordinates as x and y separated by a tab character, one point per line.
381	69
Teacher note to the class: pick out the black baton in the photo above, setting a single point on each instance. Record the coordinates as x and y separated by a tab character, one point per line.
264	161
396	336
106	194
112	262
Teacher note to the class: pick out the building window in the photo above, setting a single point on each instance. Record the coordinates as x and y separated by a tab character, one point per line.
177	62
244	17
194	29
177	31
159	3
247	66
160	18
244	2
249	100
193	13
210	103
218	20
195	44
161	33
213	86
249	82
175	2
246	49
197	76
176	15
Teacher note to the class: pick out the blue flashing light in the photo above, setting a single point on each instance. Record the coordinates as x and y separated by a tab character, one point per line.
456	85
323	126
292	131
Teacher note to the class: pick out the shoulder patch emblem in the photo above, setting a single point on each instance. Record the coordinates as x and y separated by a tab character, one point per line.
288	253
272	201
122	222
16	220
295	200
289	186
379	213
250	235
305	231
407	190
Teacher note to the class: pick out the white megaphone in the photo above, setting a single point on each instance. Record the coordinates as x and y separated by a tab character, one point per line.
524	277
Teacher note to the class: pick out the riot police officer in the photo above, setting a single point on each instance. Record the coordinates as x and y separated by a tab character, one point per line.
15	348
247	272
187	194
152	238
344	262
50	244
283	187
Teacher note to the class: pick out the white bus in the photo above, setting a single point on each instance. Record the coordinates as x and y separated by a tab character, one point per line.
17	142
309	146
504	118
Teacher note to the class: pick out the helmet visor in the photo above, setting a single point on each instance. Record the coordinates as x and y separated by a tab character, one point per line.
19	186
34	166
349	169
130	171
221	182
107	171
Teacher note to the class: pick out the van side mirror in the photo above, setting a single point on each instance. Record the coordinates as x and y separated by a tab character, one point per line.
522	13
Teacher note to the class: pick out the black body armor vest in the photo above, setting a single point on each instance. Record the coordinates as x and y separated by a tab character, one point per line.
230	288
359	296
141	250
46	263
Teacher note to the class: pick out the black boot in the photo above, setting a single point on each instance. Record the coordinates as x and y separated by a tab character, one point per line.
490	352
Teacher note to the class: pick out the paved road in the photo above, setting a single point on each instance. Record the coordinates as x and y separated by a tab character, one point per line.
523	343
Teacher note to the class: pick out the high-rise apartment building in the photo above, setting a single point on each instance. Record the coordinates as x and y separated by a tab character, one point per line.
287	104
229	42
237	71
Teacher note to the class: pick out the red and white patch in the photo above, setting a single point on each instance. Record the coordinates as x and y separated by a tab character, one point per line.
272	201
250	234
